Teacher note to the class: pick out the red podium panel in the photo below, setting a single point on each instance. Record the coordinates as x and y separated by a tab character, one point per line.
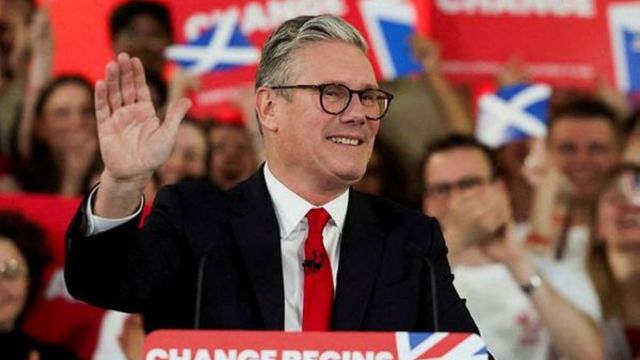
270	345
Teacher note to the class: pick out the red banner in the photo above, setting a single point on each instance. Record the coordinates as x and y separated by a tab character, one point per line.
221	40
563	42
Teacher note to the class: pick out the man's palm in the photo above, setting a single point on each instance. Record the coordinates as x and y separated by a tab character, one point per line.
133	140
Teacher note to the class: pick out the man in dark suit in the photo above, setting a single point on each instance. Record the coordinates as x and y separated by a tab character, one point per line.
291	248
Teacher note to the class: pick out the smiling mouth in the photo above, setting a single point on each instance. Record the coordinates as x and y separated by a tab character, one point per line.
344	140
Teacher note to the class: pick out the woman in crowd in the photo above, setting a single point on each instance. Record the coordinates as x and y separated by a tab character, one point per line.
614	262
60	151
23	256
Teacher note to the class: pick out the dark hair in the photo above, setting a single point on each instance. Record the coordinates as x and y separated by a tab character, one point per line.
585	107
633	121
56	83
457	141
29	238
31	9
40	173
124	14
598	265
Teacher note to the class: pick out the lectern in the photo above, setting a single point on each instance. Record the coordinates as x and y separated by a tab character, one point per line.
272	345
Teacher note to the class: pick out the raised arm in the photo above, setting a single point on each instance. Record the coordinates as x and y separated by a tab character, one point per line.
457	120
133	140
573	333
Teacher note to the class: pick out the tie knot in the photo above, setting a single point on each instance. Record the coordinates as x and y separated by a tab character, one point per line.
317	219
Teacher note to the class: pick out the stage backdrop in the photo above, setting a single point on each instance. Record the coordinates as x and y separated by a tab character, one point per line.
566	42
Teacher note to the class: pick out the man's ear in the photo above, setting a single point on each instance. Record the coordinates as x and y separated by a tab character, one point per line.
266	109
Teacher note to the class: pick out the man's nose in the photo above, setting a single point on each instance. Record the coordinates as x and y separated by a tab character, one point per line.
355	112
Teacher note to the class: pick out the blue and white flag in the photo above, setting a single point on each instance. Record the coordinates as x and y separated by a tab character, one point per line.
222	46
513	113
390	24
624	27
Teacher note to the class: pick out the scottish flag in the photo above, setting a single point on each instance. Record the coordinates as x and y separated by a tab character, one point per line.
624	27
513	113
222	46
390	24
458	346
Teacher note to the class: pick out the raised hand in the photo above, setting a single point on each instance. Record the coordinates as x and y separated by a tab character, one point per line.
426	51
476	217
133	140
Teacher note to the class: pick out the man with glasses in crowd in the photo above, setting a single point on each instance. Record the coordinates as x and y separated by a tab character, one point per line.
292	248
522	311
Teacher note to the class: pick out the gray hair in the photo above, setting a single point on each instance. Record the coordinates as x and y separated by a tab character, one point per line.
276	64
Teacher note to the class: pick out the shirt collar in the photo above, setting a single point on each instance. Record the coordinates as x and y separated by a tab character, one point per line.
291	208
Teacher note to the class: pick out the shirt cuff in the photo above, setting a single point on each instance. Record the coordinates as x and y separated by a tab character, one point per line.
97	224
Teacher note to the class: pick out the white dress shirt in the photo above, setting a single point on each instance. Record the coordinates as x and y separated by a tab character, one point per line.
291	211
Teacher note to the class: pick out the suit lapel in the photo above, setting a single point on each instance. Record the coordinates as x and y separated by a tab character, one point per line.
256	229
361	251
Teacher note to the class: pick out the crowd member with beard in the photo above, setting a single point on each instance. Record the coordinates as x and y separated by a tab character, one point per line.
614	261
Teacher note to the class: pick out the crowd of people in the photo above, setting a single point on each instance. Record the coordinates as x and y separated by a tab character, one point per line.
543	235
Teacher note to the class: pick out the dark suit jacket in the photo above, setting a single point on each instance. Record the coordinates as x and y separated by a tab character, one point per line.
380	285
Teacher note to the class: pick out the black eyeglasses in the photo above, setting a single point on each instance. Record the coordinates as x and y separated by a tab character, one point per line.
444	189
335	99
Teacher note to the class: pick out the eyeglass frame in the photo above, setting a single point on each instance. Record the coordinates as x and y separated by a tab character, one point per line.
12	269
321	87
466	183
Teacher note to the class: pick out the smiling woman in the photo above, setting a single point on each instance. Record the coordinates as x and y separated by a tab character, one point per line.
63	144
23	256
614	261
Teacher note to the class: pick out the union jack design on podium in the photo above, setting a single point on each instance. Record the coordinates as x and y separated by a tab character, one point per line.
445	346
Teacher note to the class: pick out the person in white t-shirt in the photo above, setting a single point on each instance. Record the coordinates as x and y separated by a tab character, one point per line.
523	309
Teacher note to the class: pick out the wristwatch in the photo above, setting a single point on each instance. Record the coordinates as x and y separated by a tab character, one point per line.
533	283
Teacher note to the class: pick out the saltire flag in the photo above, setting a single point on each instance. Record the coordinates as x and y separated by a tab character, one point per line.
624	27
445	346
222	46
390	24
512	113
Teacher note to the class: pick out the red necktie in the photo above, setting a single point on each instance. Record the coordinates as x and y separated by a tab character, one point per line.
318	279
